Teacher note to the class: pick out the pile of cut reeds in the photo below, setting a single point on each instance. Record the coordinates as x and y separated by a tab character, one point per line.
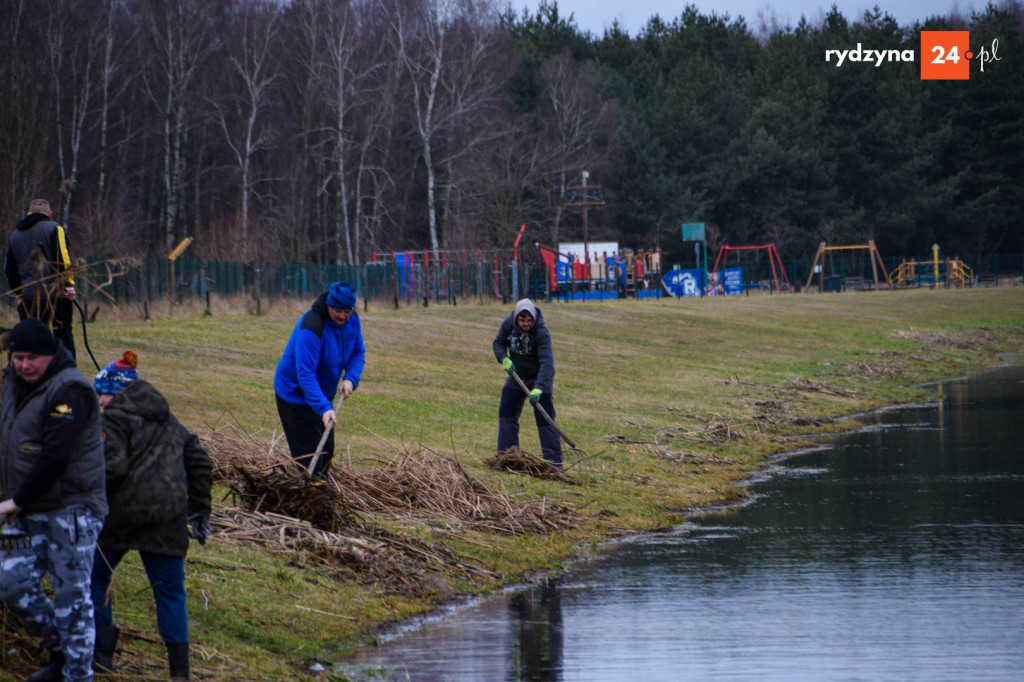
265	479
423	483
517	461
369	554
413	485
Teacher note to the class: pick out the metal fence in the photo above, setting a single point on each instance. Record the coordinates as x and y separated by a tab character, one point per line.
437	281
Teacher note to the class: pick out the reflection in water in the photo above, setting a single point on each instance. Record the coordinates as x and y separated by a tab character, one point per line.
896	554
536	616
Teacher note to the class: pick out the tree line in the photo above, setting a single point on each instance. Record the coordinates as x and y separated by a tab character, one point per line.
326	130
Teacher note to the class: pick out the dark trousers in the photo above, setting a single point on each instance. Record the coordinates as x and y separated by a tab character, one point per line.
512	399
302	429
167	578
59	315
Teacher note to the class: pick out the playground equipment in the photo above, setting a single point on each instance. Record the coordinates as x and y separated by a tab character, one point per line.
774	260
840	281
934	273
624	272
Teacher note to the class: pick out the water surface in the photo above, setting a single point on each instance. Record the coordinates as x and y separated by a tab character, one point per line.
897	553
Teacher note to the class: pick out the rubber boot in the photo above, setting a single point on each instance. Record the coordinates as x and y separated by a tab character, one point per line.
106	643
54	670
177	657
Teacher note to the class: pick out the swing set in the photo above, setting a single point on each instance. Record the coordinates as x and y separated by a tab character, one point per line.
839	280
774	260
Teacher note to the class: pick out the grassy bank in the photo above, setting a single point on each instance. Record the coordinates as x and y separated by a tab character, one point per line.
673	402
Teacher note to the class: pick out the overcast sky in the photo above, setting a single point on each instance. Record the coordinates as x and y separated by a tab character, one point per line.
595	15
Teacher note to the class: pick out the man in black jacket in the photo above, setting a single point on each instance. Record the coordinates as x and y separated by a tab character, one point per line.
523	345
38	269
54	500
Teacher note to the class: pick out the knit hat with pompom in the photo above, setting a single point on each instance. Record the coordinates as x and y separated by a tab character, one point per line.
116	376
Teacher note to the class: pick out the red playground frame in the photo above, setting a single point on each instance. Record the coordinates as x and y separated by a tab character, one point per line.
773	259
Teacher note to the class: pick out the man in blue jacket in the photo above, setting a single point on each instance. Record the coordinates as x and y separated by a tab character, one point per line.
327	343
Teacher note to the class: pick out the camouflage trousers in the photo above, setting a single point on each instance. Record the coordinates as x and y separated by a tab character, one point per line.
61	543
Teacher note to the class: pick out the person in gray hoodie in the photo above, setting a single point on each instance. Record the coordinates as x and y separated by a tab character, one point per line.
523	346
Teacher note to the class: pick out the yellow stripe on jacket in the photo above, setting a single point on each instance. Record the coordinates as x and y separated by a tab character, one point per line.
65	259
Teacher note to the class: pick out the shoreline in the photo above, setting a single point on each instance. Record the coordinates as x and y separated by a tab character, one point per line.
392	631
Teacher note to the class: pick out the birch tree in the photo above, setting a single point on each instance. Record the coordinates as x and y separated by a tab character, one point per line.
74	56
181	36
114	80
445	47
343	78
253	70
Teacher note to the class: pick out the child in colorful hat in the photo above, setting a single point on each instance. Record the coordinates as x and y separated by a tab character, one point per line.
116	376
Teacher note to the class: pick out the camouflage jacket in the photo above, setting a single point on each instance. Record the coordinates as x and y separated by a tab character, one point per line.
157	474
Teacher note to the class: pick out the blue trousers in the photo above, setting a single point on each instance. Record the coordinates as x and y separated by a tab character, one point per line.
512	399
167	578
60	543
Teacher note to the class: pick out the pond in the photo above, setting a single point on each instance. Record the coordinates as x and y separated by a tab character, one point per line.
892	553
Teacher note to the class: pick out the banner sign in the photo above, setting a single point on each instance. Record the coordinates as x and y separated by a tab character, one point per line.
682	283
732	281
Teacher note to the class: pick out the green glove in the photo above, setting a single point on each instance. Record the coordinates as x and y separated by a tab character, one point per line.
535	395
506	363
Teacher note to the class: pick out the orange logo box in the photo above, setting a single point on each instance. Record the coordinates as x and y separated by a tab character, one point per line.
946	55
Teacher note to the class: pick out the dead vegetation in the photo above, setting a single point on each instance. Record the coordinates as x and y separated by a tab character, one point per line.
970	339
806	385
666	439
336	525
863	369
518	461
712	432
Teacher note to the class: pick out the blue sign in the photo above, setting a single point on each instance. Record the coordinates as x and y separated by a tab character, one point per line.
682	283
732	281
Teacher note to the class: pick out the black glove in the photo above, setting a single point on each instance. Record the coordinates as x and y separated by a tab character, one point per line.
200	524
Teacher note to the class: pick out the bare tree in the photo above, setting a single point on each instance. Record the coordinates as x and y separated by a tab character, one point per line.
115	79
181	36
571	117
349	67
444	47
253	72
23	141
73	59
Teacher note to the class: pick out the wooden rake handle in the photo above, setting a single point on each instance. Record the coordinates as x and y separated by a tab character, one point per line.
543	412
320	446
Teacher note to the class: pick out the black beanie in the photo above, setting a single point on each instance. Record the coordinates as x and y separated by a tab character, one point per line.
32	336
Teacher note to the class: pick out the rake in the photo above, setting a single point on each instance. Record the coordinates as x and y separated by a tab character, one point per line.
315	457
544	413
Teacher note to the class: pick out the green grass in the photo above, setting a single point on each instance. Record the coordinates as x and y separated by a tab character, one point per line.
623	369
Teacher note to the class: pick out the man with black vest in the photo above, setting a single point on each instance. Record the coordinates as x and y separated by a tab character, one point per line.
326	344
38	269
53	477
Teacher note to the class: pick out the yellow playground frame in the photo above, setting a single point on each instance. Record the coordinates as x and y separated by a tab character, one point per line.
818	265
934	272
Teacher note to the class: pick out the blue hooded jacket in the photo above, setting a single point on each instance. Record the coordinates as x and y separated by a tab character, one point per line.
317	354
